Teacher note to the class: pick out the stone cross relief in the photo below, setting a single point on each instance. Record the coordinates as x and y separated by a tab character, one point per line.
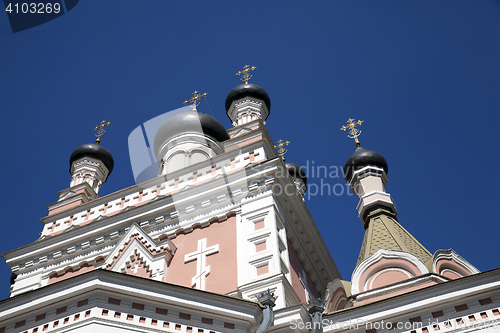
200	255
136	266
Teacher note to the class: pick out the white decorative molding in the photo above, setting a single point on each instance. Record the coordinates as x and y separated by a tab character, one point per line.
365	265
141	246
448	270
369	170
450	254
402	285
246	110
89	170
148	191
374	198
186	144
79	304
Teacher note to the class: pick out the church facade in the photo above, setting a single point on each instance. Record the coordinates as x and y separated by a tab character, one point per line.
222	241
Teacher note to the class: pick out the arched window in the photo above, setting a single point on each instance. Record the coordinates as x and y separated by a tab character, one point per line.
197	157
176	162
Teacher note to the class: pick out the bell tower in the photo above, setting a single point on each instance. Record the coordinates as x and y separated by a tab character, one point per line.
391	261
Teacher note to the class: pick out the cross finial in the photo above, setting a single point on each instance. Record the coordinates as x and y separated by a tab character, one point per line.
281	148
353	131
194	99
245	76
100	130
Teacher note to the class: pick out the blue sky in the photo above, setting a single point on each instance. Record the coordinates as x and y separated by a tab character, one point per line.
423	75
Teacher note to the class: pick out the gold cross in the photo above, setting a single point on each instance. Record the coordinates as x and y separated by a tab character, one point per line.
100	130
193	99
281	148
245	76
353	131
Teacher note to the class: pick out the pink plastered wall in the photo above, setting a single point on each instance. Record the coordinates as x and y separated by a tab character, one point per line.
339	299
84	191
141	269
451	269
296	268
385	272
223	267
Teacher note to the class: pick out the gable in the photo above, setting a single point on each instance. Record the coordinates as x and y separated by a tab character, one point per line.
138	254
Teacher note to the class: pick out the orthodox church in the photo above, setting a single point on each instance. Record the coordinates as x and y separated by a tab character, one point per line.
221	241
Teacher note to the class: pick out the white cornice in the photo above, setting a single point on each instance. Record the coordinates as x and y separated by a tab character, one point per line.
285	316
68	200
257	103
450	254
414	303
77	187
411	282
366	171
90	161
102	283
378	256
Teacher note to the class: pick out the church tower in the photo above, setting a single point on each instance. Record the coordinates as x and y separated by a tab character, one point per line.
391	261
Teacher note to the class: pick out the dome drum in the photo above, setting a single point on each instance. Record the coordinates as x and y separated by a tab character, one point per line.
361	178
362	158
193	139
90	163
246	110
187	149
188	138
89	170
93	150
366	173
247	102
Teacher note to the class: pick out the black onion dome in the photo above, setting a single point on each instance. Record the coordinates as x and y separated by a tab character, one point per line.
95	151
297	172
248	90
189	122
362	158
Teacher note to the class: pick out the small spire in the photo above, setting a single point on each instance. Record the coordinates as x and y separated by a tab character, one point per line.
100	130
353	131
245	76
281	148
194	100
